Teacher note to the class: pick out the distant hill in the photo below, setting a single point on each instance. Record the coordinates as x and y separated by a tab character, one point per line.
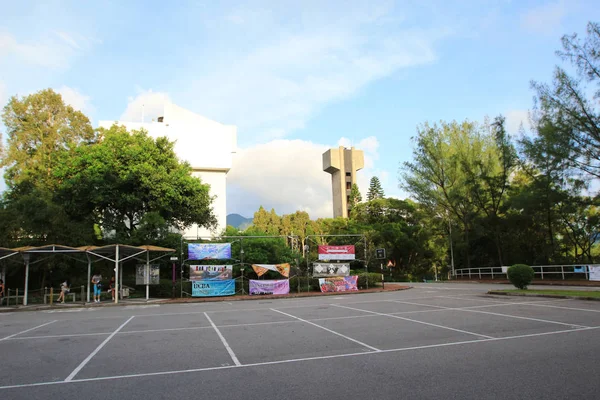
238	221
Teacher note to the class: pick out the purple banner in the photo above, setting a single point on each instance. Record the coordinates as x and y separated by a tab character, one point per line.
341	284
280	286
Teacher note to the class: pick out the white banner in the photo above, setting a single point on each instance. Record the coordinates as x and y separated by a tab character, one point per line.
594	273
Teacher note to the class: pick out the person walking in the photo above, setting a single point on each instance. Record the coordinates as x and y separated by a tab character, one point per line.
97	281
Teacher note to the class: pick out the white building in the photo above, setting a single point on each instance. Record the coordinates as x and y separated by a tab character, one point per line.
207	145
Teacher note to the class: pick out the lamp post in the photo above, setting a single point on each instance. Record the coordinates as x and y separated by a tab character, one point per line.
306	249
242	269
26	258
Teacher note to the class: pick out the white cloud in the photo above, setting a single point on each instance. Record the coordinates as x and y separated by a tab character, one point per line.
147	104
284	80
76	99
514	119
45	52
3	94
288	175
545	18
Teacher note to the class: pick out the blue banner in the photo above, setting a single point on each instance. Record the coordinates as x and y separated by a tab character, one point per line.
213	288
209	251
579	269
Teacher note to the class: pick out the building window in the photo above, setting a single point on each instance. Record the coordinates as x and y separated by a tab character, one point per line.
348	173
348	185
348	199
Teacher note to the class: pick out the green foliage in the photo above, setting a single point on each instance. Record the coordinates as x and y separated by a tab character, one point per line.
375	189
129	181
355	196
520	275
40	128
373	279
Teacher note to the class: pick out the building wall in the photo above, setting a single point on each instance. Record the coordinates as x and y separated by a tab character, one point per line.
208	146
342	164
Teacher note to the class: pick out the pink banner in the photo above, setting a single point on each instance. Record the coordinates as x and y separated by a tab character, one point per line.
336	252
281	286
341	284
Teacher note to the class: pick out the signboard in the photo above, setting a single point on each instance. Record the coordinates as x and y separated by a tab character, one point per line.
261	269
380	253
210	272
505	270
342	284
209	251
594	273
210	288
336	252
141	278
580	270
331	269
281	286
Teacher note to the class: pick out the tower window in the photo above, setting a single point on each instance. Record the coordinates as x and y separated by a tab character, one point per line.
348	185
348	173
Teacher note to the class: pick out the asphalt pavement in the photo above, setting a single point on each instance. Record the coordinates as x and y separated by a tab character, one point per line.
450	341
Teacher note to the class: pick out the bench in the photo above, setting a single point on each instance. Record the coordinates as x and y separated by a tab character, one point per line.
47	296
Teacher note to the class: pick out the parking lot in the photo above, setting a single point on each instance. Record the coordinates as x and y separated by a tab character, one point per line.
432	341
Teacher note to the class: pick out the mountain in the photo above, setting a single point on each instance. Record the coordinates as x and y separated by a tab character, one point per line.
238	221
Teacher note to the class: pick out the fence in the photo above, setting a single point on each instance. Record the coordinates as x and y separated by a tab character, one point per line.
563	272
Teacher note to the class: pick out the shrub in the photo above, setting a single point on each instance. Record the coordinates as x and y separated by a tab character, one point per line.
520	275
373	278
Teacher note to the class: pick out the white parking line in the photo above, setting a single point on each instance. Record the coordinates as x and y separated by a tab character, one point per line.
229	350
328	330
27	330
419	322
84	362
360	354
506	315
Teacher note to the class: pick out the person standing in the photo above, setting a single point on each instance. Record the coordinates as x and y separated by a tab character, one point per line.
96	281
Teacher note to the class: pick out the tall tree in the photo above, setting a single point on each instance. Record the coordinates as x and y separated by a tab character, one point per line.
40	128
355	196
567	101
261	220
375	189
126	176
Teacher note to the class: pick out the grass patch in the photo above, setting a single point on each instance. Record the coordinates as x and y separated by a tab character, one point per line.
556	292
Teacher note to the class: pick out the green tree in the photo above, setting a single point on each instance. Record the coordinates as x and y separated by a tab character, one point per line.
375	189
40	128
126	176
568	104
261	220
436	177
355	196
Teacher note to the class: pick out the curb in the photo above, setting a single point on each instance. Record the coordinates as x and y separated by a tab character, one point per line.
395	288
551	296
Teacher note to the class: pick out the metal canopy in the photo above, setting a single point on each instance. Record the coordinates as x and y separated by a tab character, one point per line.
116	253
5	253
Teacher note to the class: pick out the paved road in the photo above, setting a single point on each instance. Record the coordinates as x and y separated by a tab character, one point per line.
434	341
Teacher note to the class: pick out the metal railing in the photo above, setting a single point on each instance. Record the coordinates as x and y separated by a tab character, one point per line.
566	272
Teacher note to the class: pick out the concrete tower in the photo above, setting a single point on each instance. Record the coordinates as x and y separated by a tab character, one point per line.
207	145
342	164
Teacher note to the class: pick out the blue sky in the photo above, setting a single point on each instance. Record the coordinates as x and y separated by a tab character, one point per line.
295	77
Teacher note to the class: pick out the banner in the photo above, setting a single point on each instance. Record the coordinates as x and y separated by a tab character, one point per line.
213	288
342	284
281	286
210	272
261	269
141	277
209	251
336	252
579	269
331	269
594	273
